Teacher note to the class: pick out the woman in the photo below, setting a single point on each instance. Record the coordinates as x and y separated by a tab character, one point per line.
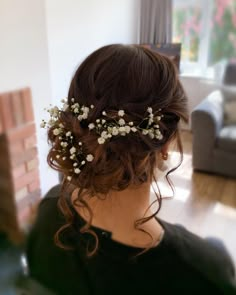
98	234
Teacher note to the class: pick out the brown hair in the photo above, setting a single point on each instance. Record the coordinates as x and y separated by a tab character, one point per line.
116	77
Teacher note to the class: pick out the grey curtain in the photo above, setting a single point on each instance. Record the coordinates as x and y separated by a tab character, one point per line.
156	21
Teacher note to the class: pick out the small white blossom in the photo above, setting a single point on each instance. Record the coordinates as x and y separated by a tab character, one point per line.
101	140
83	163
72	99
80	117
104	134
145	132
115	131
109	135
75	164
72	157
122	131
92	106
89	158
77	171
98	120
151	135
68	133
131	123
69	178
121	113
65	107
103	121
73	150
86	110
91	126
149	109
64	158
121	122
156	126
104	113
56	131
127	129
57	156
76	110
43	124
61	125
85	116
80	143
134	129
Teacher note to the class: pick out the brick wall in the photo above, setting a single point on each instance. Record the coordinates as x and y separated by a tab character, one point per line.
19	173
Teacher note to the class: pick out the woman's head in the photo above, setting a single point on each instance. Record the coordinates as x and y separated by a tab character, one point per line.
113	78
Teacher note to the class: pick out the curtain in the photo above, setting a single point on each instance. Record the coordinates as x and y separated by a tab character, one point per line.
156	21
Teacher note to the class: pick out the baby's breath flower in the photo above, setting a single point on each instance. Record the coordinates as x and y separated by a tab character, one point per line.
83	163
103	121
80	117
68	133
145	131
80	143
72	99
149	109
134	129
77	171
64	158
91	126
76	110
86	110
104	134
43	124
122	131
69	178
72	157
127	129
104	113
85	116
75	164
92	106
115	131
57	156
121	113
121	122
101	140
131	123
98	120
56	131
73	150
64	144
90	158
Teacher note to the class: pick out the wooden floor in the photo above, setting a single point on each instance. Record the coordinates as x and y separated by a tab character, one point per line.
205	204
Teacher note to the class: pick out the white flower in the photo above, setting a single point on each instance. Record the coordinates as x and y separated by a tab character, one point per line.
64	158
89	158
57	156
98	120
121	122
149	109
80	117
73	150
68	133
101	140
115	131
83	162
56	131
109	135
72	157
91	126
69	178
86	110
145	132
131	123
127	129
51	122
104	134
72	99
156	126
85	116
104	113
77	171
80	143
43	124
64	144
61	125
103	121
121	113
122	131
76	110
158	118
92	106
75	164
151	135
134	129
160	137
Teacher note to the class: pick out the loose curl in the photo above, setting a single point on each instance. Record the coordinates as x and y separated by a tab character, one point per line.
116	77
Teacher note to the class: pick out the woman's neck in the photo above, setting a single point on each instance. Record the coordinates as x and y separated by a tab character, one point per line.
118	211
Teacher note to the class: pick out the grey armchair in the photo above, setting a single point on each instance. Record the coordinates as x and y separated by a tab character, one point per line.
214	144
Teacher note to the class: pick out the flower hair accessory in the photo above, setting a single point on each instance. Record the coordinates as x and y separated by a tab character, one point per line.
105	127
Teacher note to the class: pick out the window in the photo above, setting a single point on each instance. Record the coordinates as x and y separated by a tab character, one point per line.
207	31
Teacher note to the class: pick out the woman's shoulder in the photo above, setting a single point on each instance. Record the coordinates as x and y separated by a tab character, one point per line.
207	256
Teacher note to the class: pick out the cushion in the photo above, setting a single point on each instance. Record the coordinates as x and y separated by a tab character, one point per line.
227	139
229	94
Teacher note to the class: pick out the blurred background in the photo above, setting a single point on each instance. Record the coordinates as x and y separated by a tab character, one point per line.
42	44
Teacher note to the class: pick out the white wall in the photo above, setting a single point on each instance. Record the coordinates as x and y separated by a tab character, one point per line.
24	62
78	27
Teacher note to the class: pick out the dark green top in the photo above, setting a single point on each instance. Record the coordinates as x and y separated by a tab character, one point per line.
182	263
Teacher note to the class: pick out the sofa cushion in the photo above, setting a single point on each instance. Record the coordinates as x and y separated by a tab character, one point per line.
227	138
